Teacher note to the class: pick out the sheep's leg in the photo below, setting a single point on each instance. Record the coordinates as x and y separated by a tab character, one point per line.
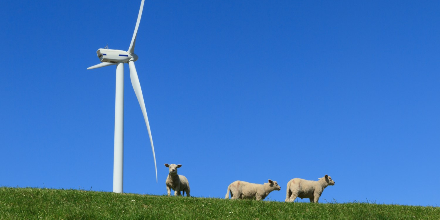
234	191
258	197
311	200
316	199
235	195
288	194
187	192
293	196
168	190
177	192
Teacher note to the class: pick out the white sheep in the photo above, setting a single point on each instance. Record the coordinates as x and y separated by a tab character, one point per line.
307	189
176	182
244	190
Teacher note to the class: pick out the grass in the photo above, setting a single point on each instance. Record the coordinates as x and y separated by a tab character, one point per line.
35	203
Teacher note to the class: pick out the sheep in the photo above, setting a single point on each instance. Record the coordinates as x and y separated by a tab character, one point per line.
244	190
307	189
176	182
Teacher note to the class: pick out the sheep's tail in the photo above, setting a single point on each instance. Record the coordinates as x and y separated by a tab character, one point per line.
227	193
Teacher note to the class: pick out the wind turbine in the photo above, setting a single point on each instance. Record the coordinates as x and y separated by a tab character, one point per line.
119	57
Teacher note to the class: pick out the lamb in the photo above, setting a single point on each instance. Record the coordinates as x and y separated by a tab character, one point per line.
244	190
307	189
176	182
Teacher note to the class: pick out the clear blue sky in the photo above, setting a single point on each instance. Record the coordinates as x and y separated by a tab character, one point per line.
234	90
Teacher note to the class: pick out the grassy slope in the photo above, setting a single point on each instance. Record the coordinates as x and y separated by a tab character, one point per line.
33	203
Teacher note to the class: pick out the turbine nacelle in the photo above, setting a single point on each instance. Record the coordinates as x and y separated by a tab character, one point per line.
115	56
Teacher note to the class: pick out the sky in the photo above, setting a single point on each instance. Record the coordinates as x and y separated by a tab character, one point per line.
234	90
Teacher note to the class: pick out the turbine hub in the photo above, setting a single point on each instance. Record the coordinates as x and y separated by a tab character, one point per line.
134	57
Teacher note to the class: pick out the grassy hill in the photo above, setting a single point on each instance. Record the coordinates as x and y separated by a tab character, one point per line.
34	203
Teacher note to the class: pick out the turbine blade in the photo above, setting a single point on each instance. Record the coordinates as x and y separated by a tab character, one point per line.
133	40
137	89
103	64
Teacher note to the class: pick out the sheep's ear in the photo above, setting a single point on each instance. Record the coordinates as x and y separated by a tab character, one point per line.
270	181
326	176
179	165
167	165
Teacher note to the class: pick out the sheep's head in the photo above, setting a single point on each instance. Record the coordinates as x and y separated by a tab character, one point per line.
274	184
173	168
329	180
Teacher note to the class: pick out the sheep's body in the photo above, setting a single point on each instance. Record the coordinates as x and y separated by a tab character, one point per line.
178	183
307	188
244	190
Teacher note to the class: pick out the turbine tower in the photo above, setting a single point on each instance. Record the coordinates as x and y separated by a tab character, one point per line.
119	57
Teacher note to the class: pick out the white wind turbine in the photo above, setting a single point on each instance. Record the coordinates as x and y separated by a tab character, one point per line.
119	57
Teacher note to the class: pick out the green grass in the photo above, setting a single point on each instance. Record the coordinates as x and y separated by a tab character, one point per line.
35	203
